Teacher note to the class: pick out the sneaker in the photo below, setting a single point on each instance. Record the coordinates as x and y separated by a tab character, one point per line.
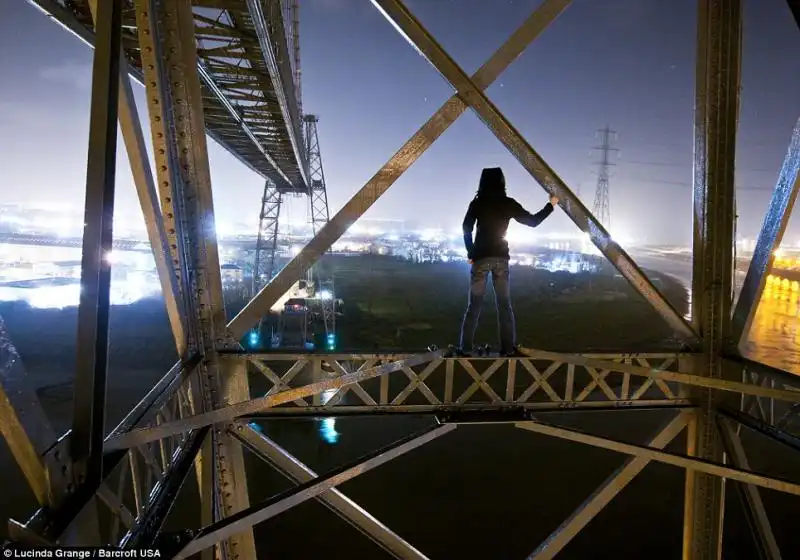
456	352
513	353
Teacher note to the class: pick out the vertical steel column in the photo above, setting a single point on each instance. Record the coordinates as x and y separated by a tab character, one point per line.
131	129
86	444
267	242
716	115
320	215
233	481
169	60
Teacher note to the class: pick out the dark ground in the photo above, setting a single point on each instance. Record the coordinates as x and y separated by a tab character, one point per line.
481	492
393	305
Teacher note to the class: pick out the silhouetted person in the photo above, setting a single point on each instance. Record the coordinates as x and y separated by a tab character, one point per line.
492	210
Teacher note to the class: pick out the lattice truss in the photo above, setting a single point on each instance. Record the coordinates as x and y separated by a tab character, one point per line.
248	79
198	416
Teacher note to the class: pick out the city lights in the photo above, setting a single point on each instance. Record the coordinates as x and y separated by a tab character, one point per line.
53	252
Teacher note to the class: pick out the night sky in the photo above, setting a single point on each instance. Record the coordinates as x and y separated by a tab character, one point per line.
624	63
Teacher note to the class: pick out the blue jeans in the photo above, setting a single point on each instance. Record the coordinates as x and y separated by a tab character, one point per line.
502	291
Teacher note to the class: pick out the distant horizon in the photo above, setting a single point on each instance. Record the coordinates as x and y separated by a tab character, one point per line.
407	227
628	65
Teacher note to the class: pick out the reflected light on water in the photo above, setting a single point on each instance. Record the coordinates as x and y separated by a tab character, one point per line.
327	430
327	426
774	336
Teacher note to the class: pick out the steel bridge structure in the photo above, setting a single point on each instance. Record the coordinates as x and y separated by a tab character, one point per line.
224	67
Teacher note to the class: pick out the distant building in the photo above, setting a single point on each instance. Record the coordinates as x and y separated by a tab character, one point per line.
231	273
380	249
68	269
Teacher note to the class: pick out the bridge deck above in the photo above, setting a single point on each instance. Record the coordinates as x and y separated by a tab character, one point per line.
249	100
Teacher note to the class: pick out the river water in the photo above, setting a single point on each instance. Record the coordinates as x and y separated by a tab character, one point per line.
774	337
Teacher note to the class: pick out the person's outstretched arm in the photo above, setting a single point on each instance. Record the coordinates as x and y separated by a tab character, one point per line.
532	220
467	226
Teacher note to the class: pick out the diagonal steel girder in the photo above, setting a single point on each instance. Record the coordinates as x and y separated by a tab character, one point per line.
408	26
764	428
273	454
132	134
26	429
230	412
754	505
769	239
391	171
794	6
208	536
164	493
606	492
689	463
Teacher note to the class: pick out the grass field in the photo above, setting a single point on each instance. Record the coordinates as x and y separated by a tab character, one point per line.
393	304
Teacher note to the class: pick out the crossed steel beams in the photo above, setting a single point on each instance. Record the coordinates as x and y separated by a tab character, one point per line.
489	414
228	413
469	93
598	370
269	451
521	150
312	486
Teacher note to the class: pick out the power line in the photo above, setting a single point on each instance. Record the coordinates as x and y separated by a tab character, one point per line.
689	165
689	184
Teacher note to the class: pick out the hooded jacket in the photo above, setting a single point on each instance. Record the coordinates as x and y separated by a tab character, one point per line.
492	210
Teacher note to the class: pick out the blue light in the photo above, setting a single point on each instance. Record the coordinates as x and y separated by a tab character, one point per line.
327	430
253	338
256	427
331	341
